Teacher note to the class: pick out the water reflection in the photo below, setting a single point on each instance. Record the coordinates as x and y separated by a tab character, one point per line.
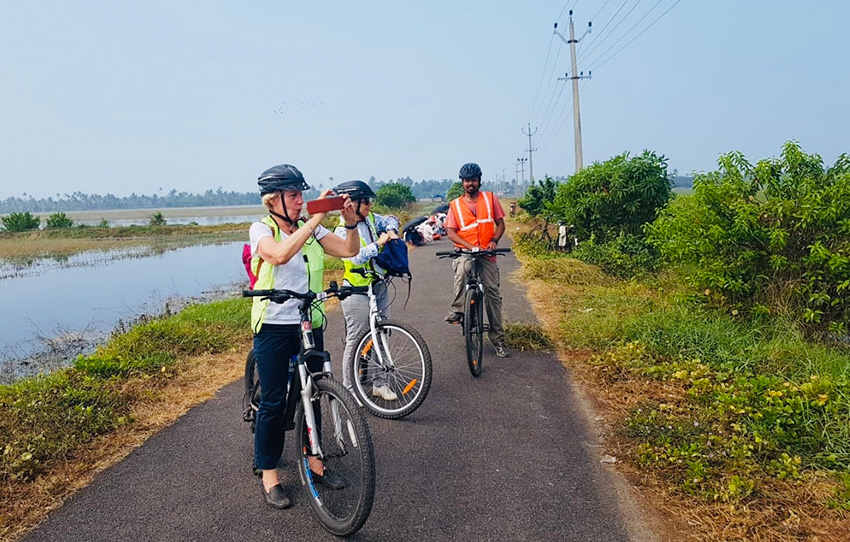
79	304
174	221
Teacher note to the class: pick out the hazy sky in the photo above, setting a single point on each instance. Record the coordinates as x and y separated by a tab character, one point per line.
117	97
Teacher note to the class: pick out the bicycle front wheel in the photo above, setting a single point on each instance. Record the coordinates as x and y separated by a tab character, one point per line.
347	451
473	330
404	369
251	398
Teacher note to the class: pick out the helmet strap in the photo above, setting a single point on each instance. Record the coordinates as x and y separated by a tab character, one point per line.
285	218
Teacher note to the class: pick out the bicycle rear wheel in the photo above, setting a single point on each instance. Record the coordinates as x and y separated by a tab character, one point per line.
346	444
406	369
473	330
251	398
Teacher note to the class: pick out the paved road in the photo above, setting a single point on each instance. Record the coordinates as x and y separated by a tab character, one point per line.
502	457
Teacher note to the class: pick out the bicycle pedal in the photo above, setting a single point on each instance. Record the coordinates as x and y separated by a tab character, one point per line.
248	415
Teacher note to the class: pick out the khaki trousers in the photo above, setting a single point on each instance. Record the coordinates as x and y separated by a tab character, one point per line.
488	272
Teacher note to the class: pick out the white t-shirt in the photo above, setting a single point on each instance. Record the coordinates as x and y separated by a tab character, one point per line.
290	276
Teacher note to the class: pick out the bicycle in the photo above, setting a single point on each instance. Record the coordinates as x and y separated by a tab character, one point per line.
473	305
401	358
325	408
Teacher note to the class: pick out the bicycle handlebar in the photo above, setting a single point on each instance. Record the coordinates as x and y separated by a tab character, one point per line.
281	295
458	252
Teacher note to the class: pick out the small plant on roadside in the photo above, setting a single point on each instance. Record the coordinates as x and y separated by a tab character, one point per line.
20	222
157	219
59	220
526	337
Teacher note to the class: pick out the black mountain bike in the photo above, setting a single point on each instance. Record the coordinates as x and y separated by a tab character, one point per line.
473	304
327	420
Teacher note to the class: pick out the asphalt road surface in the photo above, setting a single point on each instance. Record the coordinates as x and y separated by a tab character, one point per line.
507	456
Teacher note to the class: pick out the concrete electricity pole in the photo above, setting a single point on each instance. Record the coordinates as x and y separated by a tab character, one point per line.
575	77
521	164
530	150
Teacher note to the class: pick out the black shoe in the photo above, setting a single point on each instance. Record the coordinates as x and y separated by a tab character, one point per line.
330	480
277	497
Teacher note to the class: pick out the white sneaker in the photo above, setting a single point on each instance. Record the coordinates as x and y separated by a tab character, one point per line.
385	393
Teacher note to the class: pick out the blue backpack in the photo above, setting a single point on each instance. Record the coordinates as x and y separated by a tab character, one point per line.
394	259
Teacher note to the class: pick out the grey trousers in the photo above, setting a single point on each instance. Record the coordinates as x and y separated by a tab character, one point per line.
488	272
355	310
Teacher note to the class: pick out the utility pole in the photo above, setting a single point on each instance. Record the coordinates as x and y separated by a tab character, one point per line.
575	77
521	164
530	150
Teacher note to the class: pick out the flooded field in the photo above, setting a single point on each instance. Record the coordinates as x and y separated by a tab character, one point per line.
55	308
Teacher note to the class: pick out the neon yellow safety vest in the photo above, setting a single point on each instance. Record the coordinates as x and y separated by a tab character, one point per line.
353	278
265	277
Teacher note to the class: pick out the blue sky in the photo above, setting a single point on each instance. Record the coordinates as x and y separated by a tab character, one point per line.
107	97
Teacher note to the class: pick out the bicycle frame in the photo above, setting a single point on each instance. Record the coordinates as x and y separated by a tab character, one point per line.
307	351
374	314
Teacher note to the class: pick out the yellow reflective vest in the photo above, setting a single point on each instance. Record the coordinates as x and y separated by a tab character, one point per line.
353	278
265	277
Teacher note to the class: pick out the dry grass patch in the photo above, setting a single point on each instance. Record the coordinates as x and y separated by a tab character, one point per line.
24	505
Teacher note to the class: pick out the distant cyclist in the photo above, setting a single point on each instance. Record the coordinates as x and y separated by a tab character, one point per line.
374	231
476	220
288	253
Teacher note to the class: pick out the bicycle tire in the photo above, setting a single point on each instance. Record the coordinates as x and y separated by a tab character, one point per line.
473	330
348	451
251	398
409	375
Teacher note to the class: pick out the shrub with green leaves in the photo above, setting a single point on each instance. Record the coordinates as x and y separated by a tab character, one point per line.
624	256
394	196
59	220
18	222
455	191
157	219
539	197
771	237
613	198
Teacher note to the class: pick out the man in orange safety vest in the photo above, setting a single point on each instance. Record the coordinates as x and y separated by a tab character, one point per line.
476	220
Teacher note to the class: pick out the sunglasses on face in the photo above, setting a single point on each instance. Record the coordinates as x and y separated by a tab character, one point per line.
365	201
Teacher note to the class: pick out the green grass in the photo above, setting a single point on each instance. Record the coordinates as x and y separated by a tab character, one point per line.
45	418
731	404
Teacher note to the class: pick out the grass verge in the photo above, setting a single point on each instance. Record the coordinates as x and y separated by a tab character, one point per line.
740	428
59	429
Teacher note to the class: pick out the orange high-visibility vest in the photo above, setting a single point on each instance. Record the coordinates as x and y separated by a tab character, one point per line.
477	229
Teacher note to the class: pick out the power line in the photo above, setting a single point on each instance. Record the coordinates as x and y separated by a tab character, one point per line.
639	35
645	15
552	76
542	75
601	33
616	26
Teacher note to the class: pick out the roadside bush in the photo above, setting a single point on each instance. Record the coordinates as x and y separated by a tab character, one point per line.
614	198
59	220
394	196
18	222
539	197
625	256
455	191
157	219
774	237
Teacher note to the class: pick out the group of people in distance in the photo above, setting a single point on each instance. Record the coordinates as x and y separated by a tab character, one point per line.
288	252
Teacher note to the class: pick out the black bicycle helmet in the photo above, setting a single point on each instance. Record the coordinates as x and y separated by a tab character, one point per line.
355	189
281	177
470	171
